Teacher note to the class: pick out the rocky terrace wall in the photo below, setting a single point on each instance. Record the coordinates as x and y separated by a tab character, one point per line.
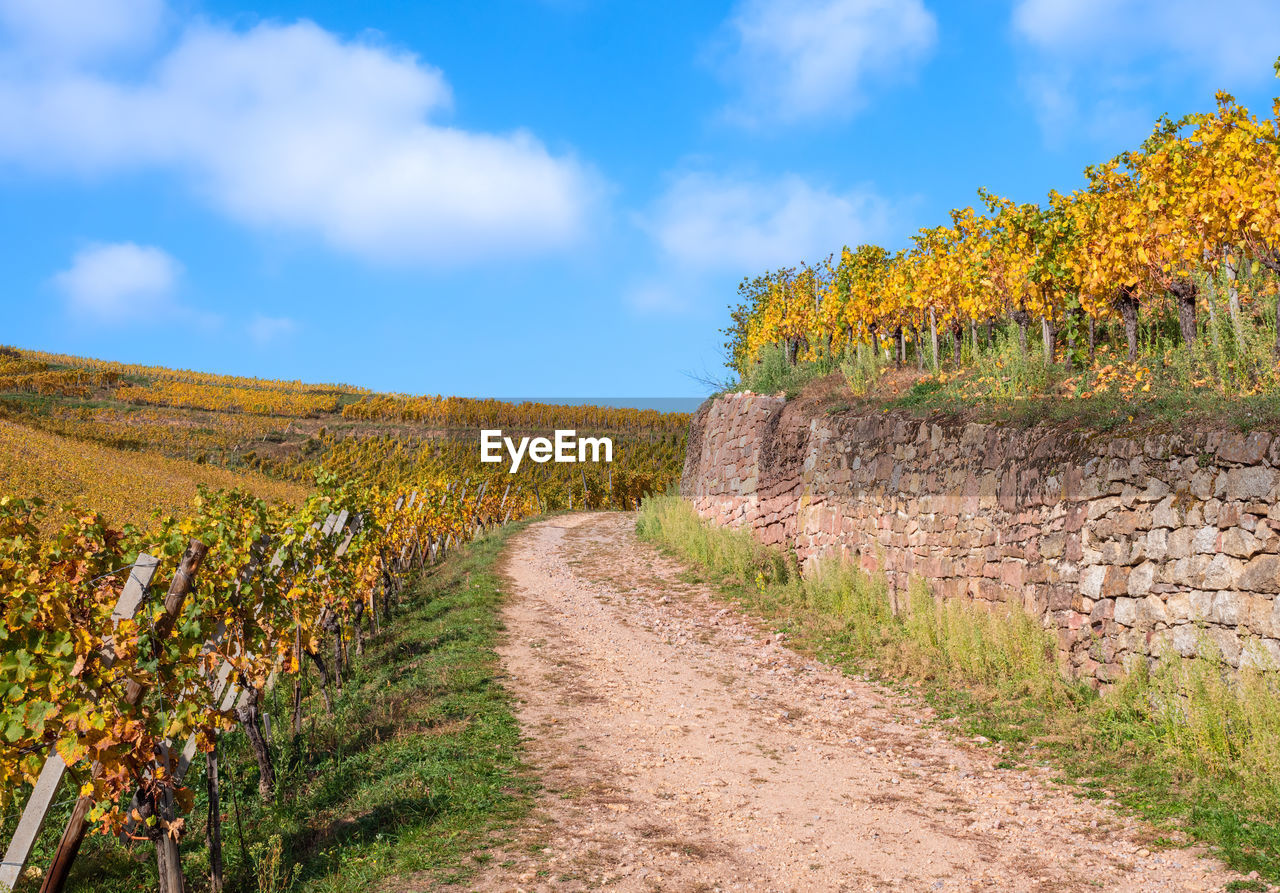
1124	545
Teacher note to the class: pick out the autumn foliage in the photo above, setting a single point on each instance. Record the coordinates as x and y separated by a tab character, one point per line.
272	588
1199	201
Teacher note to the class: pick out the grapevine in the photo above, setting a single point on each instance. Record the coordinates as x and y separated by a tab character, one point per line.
1200	196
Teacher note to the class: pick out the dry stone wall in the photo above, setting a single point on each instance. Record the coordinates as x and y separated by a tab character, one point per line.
1125	545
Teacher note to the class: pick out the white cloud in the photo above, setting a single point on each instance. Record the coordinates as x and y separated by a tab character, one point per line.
750	225
1069	107
797	59
1231	39
265	329
1062	22
119	282
54	32
289	127
1092	66
711	230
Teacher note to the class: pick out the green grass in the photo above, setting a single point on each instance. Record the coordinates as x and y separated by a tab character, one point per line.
1228	374
1188	746
772	373
1000	384
418	771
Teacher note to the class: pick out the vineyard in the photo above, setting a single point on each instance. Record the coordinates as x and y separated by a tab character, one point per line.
105	680
1165	265
177	548
460	412
124	484
131	440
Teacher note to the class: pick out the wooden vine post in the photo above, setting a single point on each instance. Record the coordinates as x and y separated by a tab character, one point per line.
167	858
213	834
41	800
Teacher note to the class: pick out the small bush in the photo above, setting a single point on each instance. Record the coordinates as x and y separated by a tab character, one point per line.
733	554
862	368
772	374
1216	724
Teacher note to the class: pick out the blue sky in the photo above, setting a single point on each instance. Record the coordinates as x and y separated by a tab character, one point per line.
532	197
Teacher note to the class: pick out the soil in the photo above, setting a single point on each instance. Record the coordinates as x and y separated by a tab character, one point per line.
683	747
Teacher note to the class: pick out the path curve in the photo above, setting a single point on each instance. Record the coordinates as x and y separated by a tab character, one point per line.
684	748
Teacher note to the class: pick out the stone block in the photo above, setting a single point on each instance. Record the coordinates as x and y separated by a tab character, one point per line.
1154	491
1141	578
1091	485
1239	543
1225	608
1256	614
1130	522
1175	572
1201	604
1227	643
1091	580
1249	483
1108	673
1116	552
1013	573
1073	550
1186	640
1051	546
1244	449
1166	514
1100	507
1126	611
1157	544
1137	551
1074	518
1223	572
1261	574
1102	610
1066	638
1261	654
1195	515
1228	515
1204	484
1117	470
1156	446
1178	544
1151	611
1196	567
1178	607
1210	510
1131	641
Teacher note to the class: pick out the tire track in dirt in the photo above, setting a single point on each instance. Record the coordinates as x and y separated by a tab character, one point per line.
684	748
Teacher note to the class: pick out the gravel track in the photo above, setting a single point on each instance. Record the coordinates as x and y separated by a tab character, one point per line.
683	747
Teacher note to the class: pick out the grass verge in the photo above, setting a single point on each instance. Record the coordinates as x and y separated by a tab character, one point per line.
415	775
1188	746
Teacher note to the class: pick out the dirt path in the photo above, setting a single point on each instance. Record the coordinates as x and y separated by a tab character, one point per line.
684	749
